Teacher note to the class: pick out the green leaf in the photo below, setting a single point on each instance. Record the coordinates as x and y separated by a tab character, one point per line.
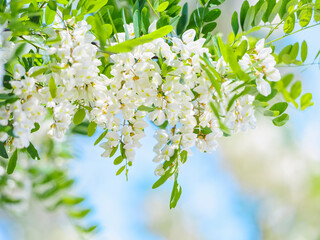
215	2
289	23
145	108
269	113
39	71
33	152
173	11
170	162
145	20
3	151
49	15
284	51
196	18
288	98
317	10
95	5
262	98
52	5
295	90
260	13
79	116
79	214
275	11
215	83
10	199
5	96
280	107
114	150
235	23
36	127
258	103
52	88
212	15
125	25
163	6
305	101
281	120
243	12
283	9
71	201
305	16
271	4
249	18
175	195
223	127
184	156
209	27
286	80
100	30
64	2
203	2
183	19
241	49
136	23
92	128
81	128
86	229
291	5
163	21
294	52
129	45
118	160
120	170
161	181
234	64
101	137
304	51
12	162
122	150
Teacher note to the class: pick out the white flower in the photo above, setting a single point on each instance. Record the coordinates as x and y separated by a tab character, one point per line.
263	86
168	150
129	151
162	136
18	71
188	140
159	171
113	138
188	36
157	116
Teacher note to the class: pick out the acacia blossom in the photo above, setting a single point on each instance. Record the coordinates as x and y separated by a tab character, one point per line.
163	81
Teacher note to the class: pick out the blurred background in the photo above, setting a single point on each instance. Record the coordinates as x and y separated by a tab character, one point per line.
261	184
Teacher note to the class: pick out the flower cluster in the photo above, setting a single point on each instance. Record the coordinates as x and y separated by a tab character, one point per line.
73	81
165	81
261	64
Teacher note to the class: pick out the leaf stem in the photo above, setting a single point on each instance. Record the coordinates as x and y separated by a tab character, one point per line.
292	33
295	10
301	65
153	9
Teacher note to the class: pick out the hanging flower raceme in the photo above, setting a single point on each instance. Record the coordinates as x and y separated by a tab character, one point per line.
168	82
163	81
